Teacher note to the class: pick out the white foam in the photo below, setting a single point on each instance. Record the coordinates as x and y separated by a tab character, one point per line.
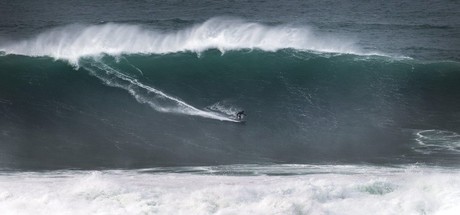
224	107
435	141
75	41
379	191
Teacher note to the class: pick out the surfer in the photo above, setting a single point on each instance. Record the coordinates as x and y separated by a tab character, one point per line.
240	114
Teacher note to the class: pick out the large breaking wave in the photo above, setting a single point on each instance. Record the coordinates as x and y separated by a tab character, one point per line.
73	42
304	103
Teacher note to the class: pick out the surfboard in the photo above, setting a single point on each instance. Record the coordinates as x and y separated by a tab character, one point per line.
242	120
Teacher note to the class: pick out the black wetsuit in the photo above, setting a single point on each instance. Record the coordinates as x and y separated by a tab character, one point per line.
240	114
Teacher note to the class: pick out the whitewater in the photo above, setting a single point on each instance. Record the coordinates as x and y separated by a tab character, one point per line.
283	189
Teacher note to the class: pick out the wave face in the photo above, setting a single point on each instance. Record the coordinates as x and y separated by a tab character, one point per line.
120	95
143	110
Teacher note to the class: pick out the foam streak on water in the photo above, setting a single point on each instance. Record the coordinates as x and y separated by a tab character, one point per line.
407	190
437	141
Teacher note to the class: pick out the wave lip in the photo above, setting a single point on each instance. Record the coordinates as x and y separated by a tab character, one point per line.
75	41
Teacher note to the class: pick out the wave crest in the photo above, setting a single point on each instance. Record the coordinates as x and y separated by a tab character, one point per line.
75	41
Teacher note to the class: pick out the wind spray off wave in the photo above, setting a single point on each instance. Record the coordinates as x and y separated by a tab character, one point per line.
75	41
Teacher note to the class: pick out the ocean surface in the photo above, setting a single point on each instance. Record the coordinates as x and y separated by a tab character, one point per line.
128	107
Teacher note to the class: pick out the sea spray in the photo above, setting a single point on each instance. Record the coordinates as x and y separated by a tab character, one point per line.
75	41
